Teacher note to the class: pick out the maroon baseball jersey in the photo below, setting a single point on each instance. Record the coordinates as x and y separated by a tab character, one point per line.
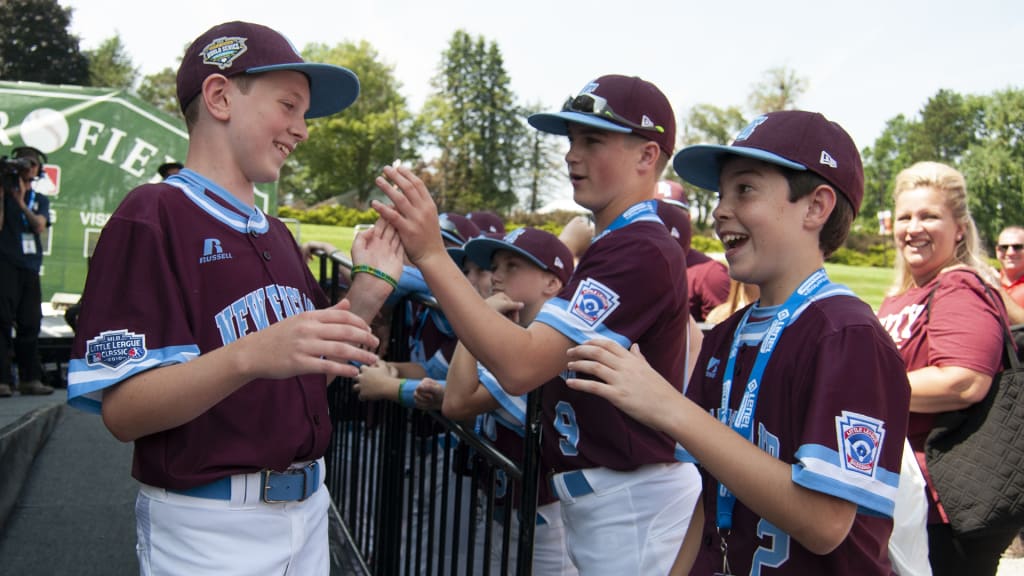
833	403
630	287
183	268
707	283
964	328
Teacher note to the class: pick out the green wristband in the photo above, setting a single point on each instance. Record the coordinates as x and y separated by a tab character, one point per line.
376	273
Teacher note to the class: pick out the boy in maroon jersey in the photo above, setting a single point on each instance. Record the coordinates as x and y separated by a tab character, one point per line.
626	502
797	412
204	337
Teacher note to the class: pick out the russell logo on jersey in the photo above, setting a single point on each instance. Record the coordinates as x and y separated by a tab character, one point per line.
212	251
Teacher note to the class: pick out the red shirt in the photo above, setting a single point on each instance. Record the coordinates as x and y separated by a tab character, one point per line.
964	328
1015	288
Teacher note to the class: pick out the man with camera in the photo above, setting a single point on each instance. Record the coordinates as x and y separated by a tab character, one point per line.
24	215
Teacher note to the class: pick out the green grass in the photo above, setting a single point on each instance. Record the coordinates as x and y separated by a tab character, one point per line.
869	284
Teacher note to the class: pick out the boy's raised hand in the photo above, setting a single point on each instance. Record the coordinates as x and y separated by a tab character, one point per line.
628	381
380	248
413	213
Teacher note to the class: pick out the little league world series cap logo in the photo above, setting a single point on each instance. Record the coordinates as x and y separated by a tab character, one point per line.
223	51
115	348
593	302
860	442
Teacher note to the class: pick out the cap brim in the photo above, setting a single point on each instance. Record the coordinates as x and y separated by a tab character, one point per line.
557	122
481	251
457	254
331	88
701	165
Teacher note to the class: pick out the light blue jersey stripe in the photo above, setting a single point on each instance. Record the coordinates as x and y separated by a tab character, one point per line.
555	313
86	383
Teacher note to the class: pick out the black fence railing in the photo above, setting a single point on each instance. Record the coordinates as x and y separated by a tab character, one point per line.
419	493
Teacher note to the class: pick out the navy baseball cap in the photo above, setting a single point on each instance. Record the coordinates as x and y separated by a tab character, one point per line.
538	246
793	139
236	48
616	103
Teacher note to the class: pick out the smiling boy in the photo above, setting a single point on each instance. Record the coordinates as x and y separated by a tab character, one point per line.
626	502
798	407
205	340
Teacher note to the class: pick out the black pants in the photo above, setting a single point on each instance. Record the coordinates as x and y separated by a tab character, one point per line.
951	555
20	309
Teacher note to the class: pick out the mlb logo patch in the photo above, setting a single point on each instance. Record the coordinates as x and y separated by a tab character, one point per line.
593	302
115	348
860	441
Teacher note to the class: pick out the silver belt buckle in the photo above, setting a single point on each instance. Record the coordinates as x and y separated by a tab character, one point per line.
268	474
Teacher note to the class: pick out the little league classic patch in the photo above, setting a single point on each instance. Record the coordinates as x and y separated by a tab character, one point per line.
593	302
860	442
115	348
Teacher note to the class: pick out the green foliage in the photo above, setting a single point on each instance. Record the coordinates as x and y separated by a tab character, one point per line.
979	135
346	151
705	244
473	120
35	45
161	91
111	66
330	215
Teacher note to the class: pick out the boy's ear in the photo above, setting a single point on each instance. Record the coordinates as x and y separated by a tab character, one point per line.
216	97
822	203
650	154
552	286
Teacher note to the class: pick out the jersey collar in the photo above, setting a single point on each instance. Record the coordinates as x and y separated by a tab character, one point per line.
240	216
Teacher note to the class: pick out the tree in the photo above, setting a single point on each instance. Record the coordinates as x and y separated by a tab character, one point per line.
543	164
111	66
346	151
35	45
161	90
994	165
779	89
982	136
473	120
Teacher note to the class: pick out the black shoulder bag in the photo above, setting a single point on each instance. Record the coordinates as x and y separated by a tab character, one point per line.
975	456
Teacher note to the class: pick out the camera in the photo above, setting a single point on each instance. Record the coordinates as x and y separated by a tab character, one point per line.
10	169
15	166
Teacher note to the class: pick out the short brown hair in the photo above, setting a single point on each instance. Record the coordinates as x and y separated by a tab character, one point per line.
837	227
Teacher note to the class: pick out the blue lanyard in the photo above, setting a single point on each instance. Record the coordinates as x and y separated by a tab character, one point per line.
646	210
743	420
31	199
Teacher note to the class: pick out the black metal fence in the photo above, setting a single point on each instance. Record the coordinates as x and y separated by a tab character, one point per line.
421	494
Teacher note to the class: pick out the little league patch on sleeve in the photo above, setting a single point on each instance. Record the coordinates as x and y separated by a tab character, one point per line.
860	442
115	348
593	302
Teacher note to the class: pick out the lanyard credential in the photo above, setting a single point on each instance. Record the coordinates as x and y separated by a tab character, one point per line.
646	210
743	420
31	200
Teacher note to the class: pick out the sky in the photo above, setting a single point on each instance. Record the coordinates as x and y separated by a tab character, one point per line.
864	62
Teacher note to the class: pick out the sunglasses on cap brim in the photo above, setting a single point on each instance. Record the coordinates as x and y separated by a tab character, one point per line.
598	106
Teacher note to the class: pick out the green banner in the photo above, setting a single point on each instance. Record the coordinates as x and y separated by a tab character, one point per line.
100	144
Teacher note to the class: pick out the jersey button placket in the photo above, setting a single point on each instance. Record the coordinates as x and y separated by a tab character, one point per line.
266	255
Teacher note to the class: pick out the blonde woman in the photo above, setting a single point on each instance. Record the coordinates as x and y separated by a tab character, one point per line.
949	330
